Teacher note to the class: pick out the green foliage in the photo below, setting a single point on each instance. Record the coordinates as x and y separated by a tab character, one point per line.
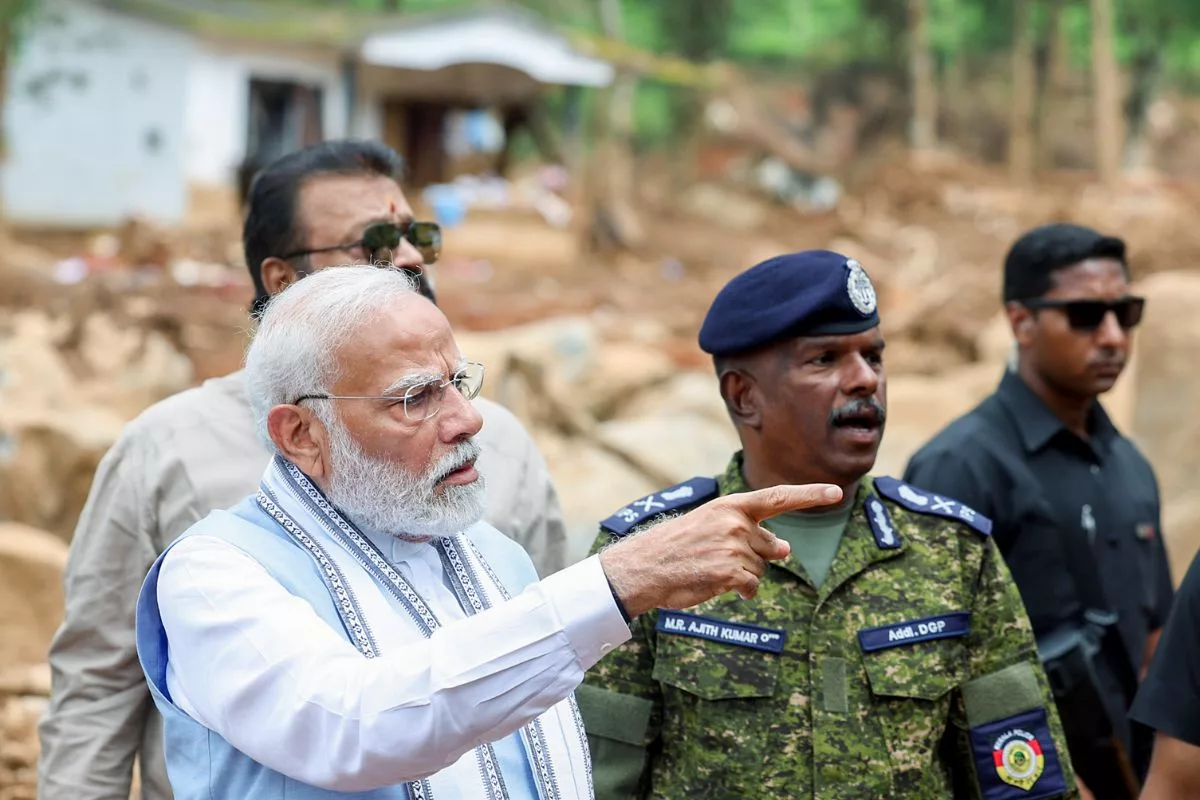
807	36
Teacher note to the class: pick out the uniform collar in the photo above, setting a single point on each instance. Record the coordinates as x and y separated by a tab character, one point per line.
858	549
1038	425
731	481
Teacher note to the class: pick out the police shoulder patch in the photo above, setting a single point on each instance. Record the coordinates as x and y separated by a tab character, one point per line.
682	495
924	502
1016	758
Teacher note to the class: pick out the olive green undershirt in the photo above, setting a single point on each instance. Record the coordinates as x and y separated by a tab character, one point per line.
814	537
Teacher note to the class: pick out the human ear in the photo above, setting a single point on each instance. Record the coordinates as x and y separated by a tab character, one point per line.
1022	322
743	398
277	275
301	439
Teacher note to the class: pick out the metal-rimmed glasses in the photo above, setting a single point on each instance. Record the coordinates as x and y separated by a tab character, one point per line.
421	400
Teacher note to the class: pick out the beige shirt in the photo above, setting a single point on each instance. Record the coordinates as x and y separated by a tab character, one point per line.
183	457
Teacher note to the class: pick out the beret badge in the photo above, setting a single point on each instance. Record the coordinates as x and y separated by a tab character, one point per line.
859	288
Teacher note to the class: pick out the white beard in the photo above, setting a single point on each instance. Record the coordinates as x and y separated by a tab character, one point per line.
385	497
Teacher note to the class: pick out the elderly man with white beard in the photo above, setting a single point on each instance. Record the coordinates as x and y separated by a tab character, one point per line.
354	627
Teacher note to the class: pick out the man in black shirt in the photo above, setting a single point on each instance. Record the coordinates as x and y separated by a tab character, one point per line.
1169	699
1074	504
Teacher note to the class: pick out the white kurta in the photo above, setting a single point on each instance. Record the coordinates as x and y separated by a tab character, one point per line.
257	665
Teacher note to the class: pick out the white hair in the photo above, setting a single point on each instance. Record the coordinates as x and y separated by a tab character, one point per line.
295	347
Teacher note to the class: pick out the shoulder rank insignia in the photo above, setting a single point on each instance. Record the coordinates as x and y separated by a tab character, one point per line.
923	502
881	524
682	495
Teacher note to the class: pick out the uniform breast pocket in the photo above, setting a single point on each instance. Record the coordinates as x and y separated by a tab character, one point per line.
1146	533
714	659
715	693
912	668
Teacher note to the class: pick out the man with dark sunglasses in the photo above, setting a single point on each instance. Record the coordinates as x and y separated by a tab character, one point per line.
331	204
1074	504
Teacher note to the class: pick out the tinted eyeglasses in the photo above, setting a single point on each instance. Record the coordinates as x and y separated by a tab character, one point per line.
1088	315
381	240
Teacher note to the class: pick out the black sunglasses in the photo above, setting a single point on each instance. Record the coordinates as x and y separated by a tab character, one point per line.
1088	315
381	240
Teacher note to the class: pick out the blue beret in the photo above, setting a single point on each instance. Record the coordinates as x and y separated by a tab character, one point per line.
812	293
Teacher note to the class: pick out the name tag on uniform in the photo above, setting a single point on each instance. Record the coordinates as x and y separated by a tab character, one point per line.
942	626
719	630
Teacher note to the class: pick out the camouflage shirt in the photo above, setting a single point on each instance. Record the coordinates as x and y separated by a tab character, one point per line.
912	672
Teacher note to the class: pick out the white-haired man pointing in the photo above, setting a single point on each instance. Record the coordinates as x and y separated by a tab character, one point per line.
354	626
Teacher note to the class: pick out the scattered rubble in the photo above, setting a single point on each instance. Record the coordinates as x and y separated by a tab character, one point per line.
1167	392
597	356
31	570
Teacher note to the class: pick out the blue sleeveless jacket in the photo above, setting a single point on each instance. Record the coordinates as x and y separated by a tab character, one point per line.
200	763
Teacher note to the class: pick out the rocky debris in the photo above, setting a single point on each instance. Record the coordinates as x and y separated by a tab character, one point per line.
70	377
31	574
614	416
672	446
19	749
23	699
919	406
1167	393
31	592
592	484
695	394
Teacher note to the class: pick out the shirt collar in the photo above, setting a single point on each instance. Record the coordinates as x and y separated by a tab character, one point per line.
395	549
1037	424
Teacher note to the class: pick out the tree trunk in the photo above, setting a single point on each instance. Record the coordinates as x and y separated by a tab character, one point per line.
1021	136
1107	118
923	131
1146	71
1056	84
615	163
697	32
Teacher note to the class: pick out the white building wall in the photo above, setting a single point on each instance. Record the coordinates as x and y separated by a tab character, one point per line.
218	101
94	119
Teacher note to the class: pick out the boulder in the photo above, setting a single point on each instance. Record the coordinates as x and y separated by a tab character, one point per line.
696	394
994	344
31	575
565	347
129	368
66	389
47	459
592	484
1167	394
19	747
622	372
919	406
672	447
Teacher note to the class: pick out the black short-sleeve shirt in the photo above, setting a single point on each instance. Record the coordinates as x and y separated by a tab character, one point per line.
1169	698
1013	460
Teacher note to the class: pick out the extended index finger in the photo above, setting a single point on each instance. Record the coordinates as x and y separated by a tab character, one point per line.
775	500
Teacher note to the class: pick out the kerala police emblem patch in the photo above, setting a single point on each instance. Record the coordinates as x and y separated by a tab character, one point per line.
860	289
1018	757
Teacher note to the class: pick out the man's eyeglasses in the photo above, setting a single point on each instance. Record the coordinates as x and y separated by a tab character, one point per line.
1088	315
381	240
421	401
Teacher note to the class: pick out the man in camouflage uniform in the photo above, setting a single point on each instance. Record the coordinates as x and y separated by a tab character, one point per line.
888	656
